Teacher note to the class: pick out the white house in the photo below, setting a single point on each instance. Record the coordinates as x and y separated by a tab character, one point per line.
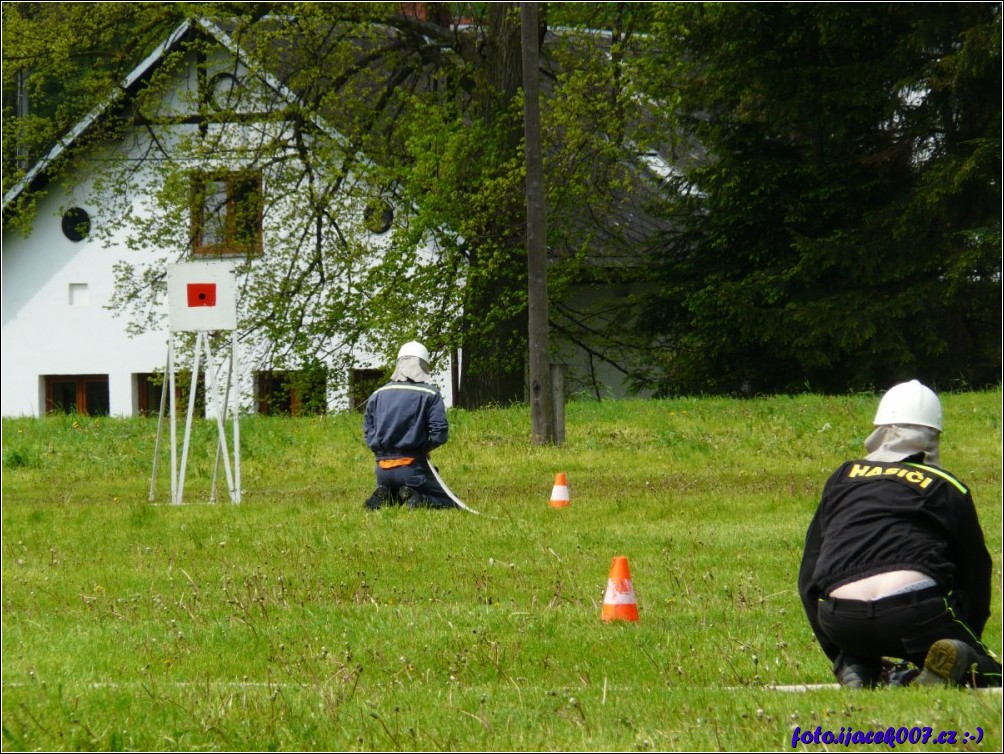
64	348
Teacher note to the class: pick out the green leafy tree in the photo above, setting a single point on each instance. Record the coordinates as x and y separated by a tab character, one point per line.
60	61
358	112
840	228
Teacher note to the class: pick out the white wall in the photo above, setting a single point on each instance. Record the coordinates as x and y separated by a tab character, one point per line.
55	319
49	329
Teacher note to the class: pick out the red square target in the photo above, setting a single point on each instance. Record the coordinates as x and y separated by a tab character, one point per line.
201	294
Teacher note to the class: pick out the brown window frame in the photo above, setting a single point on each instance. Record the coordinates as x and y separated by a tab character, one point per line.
148	393
240	186
280	392
81	382
362	384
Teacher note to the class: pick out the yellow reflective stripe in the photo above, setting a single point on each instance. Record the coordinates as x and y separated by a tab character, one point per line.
938	472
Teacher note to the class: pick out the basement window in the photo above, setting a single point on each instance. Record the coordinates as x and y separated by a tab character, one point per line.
85	394
291	393
362	384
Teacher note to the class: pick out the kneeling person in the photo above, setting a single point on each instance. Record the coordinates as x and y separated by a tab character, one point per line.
895	563
404	421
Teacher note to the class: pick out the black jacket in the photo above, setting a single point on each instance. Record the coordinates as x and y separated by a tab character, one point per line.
405	420
877	517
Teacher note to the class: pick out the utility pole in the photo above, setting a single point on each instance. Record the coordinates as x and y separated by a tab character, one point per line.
541	397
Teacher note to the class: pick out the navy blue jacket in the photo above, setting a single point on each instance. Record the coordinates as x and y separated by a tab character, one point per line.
405	420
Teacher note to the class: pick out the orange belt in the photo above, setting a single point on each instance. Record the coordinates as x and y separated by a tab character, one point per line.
395	463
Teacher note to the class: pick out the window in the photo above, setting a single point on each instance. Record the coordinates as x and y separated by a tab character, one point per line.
76	224
224	91
362	384
77	394
79	295
226	214
292	393
150	387
378	216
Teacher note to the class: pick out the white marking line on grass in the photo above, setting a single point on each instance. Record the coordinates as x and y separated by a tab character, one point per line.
803	687
179	684
799	687
796	688
180	505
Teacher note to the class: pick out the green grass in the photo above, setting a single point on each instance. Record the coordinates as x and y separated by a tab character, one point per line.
298	621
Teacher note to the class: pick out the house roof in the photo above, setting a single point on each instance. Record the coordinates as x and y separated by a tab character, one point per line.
138	74
617	242
37	173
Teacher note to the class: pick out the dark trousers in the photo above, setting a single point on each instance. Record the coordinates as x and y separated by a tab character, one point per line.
419	477
903	626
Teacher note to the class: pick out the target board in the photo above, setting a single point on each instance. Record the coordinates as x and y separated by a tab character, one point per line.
201	296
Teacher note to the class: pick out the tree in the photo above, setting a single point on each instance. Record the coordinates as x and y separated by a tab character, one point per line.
414	111
842	230
59	62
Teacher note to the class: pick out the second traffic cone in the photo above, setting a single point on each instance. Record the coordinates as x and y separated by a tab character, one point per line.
559	493
619	602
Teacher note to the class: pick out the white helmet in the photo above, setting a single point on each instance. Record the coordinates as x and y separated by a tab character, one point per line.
414	348
909	403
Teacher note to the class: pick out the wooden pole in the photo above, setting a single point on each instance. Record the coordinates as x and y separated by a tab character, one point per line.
541	399
559	379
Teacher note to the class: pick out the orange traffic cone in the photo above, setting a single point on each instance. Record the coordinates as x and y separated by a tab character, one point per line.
619	602
559	493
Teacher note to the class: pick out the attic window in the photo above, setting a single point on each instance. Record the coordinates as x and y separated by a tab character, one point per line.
226	214
76	224
378	216
223	91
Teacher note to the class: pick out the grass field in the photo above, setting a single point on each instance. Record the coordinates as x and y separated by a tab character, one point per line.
298	621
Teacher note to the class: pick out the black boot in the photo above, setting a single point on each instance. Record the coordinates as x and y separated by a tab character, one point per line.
379	498
948	663
412	498
858	674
